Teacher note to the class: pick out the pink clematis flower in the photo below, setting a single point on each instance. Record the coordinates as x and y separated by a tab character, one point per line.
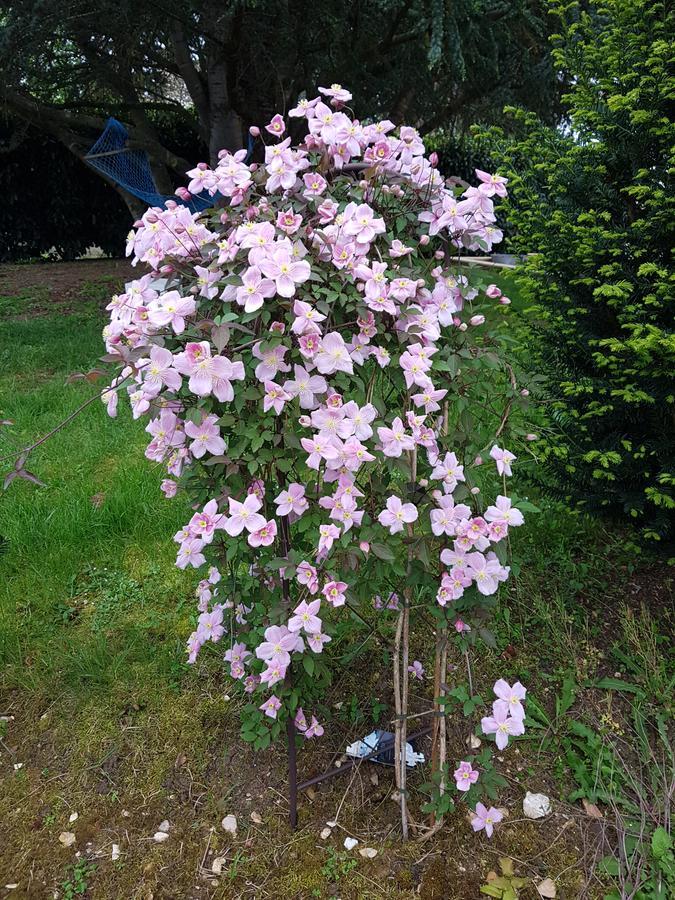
277	126
449	471
286	271
503	460
465	776
190	554
501	724
263	536
305	387
271	706
271	360
158	372
333	356
328	534
316	641
254	290
306	574
207	281
275	397
171	309
278	645
397	514
305	618
491	184
485	818
244	515
210	626
209	374
314	729
502	511
395	440
315	185
292	500
361	224
416	670
206	523
289	221
334	592
513	696
487	572
206	437
307	318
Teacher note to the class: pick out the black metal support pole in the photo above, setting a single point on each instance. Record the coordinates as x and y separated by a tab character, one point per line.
292	774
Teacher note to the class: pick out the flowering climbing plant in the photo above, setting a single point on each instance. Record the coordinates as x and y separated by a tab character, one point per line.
323	375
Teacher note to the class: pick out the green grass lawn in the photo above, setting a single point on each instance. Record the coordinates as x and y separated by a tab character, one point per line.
88	590
108	719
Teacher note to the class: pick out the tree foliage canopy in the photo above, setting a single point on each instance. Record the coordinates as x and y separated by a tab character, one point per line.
434	62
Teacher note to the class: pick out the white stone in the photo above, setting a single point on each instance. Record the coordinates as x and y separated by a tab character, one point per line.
229	824
160	836
536	806
217	865
368	852
115	855
67	838
73	817
164	826
350	843
325	834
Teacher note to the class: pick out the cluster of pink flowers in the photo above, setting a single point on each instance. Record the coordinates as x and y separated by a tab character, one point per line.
304	266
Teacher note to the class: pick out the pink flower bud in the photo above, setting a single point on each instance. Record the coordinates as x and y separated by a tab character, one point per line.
439	254
363	184
166	270
171	204
251	213
138	223
524	393
424	482
493	291
364	546
224	217
477	320
504	301
202	166
456	321
253	167
531	437
254	131
152	218
436	495
475	490
478	461
433	158
424	240
278	327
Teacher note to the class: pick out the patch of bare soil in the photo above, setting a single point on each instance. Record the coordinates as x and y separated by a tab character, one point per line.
37	288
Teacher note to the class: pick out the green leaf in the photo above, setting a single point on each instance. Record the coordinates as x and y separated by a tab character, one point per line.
616	684
661	842
383	552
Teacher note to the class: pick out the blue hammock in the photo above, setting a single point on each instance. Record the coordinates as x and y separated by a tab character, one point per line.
131	169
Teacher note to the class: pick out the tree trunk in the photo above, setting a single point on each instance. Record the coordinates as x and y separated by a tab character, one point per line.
225	132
